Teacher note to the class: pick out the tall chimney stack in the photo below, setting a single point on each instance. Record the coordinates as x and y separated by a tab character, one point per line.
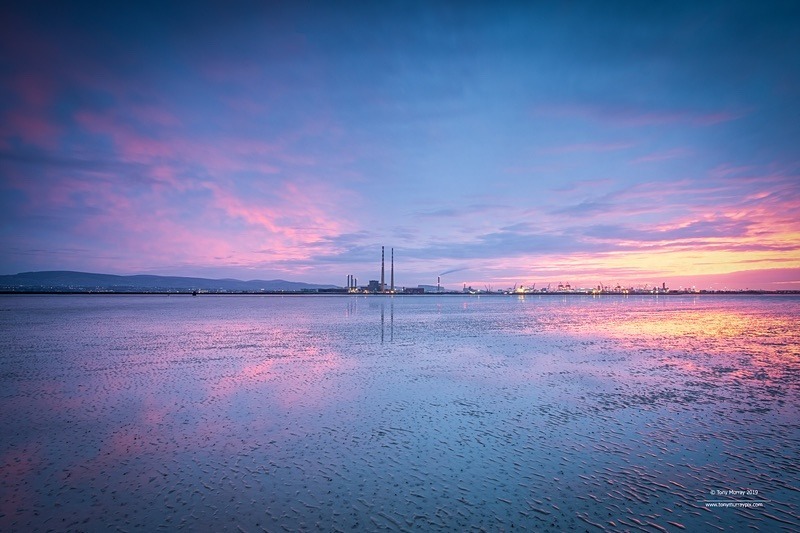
383	284
392	275
438	283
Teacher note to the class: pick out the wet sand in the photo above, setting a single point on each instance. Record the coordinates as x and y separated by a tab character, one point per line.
358	413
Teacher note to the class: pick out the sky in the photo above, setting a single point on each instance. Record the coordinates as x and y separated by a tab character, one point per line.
491	144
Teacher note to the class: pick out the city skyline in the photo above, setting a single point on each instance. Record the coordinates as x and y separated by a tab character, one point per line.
587	144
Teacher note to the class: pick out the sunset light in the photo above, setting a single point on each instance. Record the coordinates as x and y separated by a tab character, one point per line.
532	143
425	266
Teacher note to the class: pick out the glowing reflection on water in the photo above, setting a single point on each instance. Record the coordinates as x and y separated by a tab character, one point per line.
418	413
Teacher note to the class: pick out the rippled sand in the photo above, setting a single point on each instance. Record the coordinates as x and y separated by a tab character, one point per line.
404	413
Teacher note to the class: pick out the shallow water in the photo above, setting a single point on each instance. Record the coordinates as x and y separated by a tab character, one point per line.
406	413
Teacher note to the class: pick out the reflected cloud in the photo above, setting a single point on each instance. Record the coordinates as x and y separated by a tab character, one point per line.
702	341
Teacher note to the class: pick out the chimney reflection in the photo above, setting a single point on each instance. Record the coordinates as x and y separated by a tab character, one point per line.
352	307
391	321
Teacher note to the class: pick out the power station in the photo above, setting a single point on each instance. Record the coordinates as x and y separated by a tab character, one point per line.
374	286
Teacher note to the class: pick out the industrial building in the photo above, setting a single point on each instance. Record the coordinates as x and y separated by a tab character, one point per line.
374	286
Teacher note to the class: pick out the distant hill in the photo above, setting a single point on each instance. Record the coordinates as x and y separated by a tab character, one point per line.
60	281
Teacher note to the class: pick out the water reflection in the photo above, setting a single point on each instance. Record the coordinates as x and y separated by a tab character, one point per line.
391	320
351	309
671	351
145	412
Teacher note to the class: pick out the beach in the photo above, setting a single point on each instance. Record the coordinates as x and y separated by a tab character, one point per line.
227	413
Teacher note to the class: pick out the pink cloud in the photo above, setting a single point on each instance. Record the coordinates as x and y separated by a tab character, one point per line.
725	170
759	278
133	146
37	76
173	146
239	208
31	126
33	89
133	225
29	118
287	216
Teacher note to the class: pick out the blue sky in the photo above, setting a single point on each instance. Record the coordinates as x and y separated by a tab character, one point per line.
589	142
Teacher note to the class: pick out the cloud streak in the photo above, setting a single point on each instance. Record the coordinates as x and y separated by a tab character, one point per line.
511	142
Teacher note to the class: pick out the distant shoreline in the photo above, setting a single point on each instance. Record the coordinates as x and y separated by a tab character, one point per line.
427	294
